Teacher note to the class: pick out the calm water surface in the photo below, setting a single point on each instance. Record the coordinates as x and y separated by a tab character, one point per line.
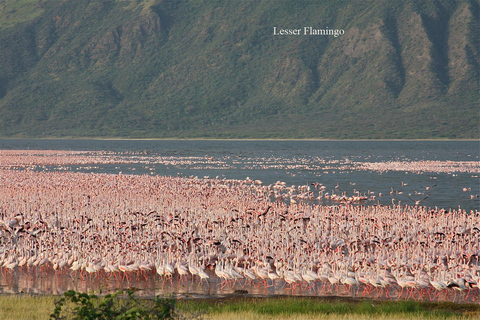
40	281
331	163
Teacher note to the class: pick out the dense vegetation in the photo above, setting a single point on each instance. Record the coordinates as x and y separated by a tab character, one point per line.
76	305
214	69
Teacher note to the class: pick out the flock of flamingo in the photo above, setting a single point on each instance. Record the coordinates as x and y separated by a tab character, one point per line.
224	232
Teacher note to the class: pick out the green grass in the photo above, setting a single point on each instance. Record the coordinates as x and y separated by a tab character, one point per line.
26	307
29	307
13	12
292	307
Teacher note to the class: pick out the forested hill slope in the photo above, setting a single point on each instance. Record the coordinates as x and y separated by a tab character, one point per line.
219	69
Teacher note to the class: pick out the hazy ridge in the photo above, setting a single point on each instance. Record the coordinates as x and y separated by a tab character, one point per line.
214	69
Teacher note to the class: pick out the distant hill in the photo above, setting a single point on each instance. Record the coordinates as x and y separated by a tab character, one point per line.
215	69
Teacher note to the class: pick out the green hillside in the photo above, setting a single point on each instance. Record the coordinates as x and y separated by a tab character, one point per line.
215	69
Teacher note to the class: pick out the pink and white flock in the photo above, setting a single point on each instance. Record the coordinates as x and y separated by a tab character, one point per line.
221	231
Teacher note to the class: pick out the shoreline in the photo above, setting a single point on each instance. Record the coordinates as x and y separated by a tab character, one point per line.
221	139
234	296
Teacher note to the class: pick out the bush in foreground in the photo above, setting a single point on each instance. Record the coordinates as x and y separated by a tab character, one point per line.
118	306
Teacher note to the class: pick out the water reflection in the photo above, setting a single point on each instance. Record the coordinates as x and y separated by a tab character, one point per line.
45	281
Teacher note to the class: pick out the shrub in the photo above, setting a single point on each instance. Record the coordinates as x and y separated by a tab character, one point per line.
118	306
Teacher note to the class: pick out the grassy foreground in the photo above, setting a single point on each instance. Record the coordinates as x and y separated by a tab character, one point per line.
23	307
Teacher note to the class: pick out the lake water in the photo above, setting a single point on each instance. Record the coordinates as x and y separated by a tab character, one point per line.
42	281
341	166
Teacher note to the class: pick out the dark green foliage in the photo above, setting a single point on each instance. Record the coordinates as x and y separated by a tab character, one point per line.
75	305
214	69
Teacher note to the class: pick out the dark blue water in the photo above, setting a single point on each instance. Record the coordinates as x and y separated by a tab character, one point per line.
331	163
